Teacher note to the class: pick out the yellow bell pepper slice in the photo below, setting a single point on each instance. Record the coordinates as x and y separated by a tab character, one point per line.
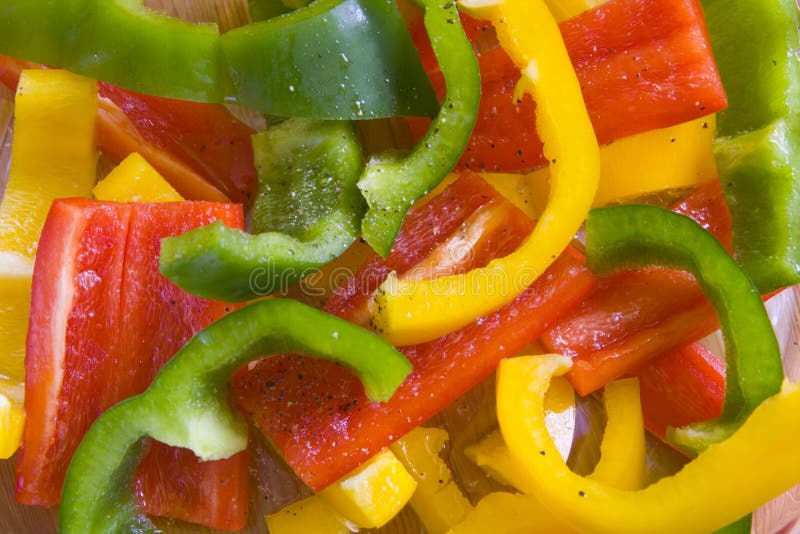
12	419
622	465
374	493
53	154
135	180
438	501
676	158
726	481
566	9
312	514
414	311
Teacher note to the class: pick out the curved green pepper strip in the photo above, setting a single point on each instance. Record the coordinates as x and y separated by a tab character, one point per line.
391	184
755	45
307	212
633	236
334	59
187	405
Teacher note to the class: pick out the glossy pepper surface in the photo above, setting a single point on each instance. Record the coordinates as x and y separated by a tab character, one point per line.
187	404
413	311
758	152
705	495
392	183
633	236
306	212
336	59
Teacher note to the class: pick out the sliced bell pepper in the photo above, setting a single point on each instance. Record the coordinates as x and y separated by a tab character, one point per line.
367	498
187	404
309	63
205	138
374	493
635	236
637	315
437	501
682	387
341	428
756	43
391	184
192	145
312	514
621	466
663	162
103	321
307	212
134	180
705	495
411	311
642	65
53	155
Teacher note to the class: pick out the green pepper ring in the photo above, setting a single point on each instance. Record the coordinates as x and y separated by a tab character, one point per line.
187	406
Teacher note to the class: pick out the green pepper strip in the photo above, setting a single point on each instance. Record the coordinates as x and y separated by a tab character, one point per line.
306	213
392	184
187	405
334	59
634	236
755	44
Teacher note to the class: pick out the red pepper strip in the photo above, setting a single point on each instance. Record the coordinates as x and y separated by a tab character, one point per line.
206	137
201	149
637	315
642	64
682	387
317	415
103	321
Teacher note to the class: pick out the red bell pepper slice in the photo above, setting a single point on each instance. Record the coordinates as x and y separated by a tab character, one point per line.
103	322
201	149
318	416
637	315
681	387
642	65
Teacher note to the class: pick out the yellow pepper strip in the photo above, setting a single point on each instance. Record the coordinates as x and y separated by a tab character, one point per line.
566	9
135	180
312	514
621	465
623	462
12	419
54	154
438	501
726	481
414	311
374	493
674	158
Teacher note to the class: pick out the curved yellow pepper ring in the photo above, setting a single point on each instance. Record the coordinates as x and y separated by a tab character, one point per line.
414	311
725	482
621	466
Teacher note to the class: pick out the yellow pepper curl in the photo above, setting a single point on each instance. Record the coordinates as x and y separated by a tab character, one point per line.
725	482
414	311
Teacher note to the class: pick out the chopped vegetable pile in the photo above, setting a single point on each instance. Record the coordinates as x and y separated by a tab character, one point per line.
266	253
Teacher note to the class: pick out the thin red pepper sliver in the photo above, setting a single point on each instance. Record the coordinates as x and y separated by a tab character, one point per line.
316	414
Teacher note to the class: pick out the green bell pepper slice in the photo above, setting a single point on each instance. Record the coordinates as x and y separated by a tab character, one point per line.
187	404
633	236
334	59
392	183
755	44
306	212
